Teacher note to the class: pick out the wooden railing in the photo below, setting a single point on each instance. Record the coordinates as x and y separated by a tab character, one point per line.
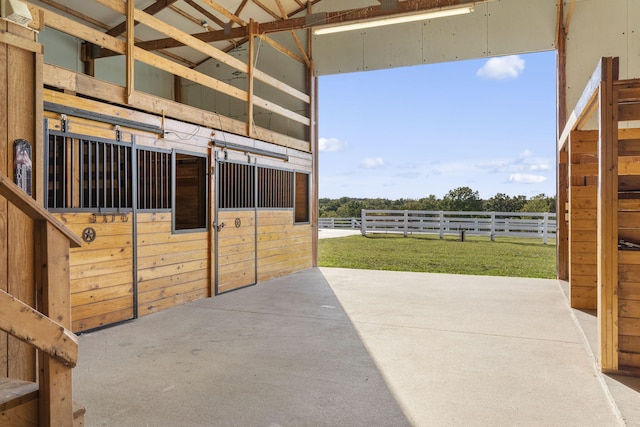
47	328
130	96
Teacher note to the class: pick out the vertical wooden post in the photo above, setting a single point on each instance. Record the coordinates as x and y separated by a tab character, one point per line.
562	240
250	88
312	88
177	89
52	251
562	225
131	58
608	216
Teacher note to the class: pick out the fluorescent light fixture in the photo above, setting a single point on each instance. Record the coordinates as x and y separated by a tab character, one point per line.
397	19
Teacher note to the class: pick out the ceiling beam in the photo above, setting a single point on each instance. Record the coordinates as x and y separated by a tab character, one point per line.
155	8
221	9
266	9
326	18
206	13
369	12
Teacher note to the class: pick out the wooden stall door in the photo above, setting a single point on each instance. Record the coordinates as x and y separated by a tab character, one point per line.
102	291
236	253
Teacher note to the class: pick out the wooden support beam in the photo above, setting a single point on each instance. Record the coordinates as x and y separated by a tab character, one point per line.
130	28
291	115
206	13
266	9
56	384
277	46
190	41
75	13
252	65
154	8
71	27
608	216
219	8
301	48
189	74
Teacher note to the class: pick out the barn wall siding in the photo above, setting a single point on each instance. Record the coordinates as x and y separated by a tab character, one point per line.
111	281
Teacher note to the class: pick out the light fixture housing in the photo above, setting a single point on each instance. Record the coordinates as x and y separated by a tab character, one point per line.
391	20
15	11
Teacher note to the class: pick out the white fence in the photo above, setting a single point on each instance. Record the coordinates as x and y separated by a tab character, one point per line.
490	224
353	223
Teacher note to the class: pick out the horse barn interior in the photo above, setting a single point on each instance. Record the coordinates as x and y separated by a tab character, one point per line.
156	152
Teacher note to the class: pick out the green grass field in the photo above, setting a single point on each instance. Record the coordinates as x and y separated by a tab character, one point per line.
510	257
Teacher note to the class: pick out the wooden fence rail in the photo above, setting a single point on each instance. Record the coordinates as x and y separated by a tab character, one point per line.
491	224
353	223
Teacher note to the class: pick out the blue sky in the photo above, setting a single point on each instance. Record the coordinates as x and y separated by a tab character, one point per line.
414	131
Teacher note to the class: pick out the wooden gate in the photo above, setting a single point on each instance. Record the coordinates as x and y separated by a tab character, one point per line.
90	190
235	226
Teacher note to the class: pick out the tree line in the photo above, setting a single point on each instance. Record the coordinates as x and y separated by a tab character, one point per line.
458	199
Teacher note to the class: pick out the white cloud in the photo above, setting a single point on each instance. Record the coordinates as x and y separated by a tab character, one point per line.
523	178
526	153
371	163
502	68
539	167
409	175
331	144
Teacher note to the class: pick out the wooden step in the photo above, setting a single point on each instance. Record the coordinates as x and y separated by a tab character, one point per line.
18	402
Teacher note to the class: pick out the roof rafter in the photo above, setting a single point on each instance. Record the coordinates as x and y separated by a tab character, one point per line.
221	9
266	9
206	13
153	9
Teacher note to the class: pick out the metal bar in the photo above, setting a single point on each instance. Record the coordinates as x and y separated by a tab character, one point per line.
218	176
81	166
255	222
251	150
111	173
46	143
160	178
63	173
89	173
55	173
155	179
73	173
134	228
120	189
104	175
104	118
130	190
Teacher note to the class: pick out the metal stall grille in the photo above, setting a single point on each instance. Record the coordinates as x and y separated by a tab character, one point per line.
88	174
154	179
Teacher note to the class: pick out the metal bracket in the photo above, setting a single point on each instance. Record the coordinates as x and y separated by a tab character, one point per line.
64	125
118	133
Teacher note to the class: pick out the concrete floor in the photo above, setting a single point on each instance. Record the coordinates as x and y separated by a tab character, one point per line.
336	347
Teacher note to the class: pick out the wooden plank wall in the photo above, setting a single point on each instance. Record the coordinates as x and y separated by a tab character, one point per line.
172	268
629	261
18	114
583	186
236	249
283	247
101	271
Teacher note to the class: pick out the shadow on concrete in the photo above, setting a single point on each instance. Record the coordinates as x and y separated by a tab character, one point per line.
283	353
